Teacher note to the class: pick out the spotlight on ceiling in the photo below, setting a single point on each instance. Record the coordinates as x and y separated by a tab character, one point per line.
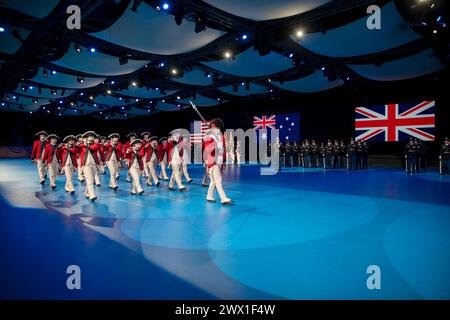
80	79
108	91
77	48
2	29
227	54
134	84
244	37
53	92
123	60
165	6
53	72
45	73
174	71
92	50
199	24
299	34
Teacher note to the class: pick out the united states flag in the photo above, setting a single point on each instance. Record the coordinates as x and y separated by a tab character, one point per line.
396	122
198	130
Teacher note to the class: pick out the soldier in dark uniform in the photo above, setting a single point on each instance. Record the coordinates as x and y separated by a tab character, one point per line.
351	155
321	159
445	157
342	155
288	154
314	154
359	152
423	154
295	153
411	156
336	158
329	153
307	155
282	153
365	155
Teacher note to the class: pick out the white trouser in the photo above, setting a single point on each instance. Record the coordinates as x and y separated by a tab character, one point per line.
113	167
68	170
89	172
185	171
151	167
146	171
97	175
176	175
80	170
53	171
205	176
135	174
216	183
163	173
41	169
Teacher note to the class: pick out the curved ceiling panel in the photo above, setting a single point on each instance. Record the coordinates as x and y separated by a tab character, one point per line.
139	111
202	101
250	64
156	32
312	83
110	101
33	91
414	66
266	9
65	80
144	93
8	43
164	106
36	8
195	77
358	39
254	89
97	63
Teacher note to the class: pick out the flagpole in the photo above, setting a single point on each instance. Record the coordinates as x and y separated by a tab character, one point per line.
196	110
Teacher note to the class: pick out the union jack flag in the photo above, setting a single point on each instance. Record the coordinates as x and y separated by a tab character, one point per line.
396	122
264	122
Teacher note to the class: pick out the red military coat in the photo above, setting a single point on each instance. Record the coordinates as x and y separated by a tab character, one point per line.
64	152
171	145
49	152
84	149
210	146
117	149
38	147
149	150
131	155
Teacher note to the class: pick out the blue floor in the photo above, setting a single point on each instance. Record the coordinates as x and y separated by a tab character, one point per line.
301	234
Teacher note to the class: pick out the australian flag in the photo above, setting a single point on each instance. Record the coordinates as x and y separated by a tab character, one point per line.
287	124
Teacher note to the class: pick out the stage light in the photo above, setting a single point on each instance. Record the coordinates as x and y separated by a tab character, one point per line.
30	87
113	82
60	101
95	104
123	108
242	83
108	91
218	99
120	98
291	55
45	73
80	79
299	34
137	100
77	48
435	31
59	108
92	50
24	88
72	104
31	112
163	100
91	97
2	29
199	24
158	8
165	6
134	83
81	94
35	101
53	92
270	80
323	69
244	37
227	54
178	97
161	64
123	60
53	72
174	71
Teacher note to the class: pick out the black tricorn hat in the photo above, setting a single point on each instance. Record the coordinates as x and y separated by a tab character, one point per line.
132	134
112	135
103	137
145	133
78	136
52	136
89	134
216	122
135	141
69	137
154	138
162	139
41	132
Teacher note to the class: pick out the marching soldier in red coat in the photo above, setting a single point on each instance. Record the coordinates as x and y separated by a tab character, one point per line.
68	156
175	159
214	156
80	141
145	140
134	156
51	158
151	160
162	158
131	136
113	157
89	162
101	157
37	154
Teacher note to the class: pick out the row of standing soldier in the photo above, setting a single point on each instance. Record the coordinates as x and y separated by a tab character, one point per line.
353	156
